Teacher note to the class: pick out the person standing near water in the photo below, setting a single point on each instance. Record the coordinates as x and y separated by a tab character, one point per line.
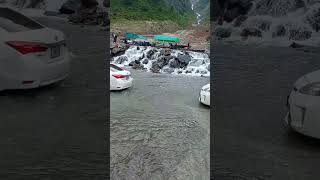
115	38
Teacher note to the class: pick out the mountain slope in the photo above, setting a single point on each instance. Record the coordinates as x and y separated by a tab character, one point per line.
178	11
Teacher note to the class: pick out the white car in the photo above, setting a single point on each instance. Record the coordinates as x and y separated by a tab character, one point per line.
304	105
204	96
32	55
119	78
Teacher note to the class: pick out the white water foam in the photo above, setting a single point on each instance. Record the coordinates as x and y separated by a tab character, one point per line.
198	66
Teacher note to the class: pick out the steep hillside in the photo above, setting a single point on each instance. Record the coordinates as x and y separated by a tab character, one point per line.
178	11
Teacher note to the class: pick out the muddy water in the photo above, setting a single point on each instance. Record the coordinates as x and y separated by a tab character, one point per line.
251	140
57	132
159	130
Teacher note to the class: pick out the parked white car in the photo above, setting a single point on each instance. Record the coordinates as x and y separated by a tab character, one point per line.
119	78
304	105
204	96
32	55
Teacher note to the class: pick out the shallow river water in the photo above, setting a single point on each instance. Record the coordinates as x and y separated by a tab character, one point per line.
159	130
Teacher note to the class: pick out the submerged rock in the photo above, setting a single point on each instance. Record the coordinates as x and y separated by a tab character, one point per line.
254	32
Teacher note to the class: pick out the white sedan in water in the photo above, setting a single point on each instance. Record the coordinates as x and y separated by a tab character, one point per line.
119	78
304	105
32	55
204	96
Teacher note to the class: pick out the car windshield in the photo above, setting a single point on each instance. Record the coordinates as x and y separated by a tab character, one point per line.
115	68
12	21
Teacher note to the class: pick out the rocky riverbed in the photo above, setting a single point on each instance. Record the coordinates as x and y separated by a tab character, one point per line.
162	60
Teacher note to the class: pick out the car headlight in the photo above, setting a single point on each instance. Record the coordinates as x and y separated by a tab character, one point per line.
312	89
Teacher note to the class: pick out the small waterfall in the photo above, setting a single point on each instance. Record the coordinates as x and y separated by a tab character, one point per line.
167	61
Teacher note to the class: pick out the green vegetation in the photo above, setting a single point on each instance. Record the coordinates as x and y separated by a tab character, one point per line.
152	10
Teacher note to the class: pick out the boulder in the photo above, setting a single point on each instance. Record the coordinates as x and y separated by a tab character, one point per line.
221	32
246	32
239	20
145	61
137	66
279	31
174	63
167	52
155	68
150	54
163	61
184	58
121	59
299	35
70	7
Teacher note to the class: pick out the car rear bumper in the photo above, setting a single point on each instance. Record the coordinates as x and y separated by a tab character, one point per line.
35	74
122	84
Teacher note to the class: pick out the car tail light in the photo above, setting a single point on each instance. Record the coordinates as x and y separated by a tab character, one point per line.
27	47
118	76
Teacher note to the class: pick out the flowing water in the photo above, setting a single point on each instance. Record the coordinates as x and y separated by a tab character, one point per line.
198	66
159	130
251	140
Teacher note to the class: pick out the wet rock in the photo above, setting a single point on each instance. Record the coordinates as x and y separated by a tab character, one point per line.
167	52
246	32
142	57
155	68
70	7
188	71
203	72
239	20
299	35
137	66
119	50
184	58
279	31
174	63
150	53
168	70
121	59
145	61
264	25
163	61
221	32
134	63
296	45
